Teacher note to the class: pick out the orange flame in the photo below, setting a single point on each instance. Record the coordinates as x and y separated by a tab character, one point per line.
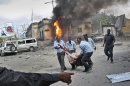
58	29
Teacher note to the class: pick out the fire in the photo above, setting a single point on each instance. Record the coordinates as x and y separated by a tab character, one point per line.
58	29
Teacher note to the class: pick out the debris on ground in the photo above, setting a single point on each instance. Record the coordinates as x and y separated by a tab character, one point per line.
114	78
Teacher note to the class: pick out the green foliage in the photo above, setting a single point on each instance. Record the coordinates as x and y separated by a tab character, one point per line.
1	40
103	20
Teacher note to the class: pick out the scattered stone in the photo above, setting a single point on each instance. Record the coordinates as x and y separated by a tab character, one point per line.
124	66
88	81
44	54
129	60
50	66
27	57
5	60
82	78
20	56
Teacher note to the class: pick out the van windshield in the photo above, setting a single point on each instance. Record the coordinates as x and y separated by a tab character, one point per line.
9	44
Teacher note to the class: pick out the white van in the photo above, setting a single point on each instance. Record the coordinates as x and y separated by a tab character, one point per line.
27	44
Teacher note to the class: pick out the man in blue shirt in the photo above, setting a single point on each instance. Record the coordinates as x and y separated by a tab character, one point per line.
60	52
71	46
86	52
91	42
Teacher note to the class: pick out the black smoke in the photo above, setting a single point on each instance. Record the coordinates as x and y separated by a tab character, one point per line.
77	11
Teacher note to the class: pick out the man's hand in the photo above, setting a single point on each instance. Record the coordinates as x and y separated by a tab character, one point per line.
57	47
66	77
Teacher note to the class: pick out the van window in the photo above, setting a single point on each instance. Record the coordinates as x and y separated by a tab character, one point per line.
30	41
21	42
3	44
9	44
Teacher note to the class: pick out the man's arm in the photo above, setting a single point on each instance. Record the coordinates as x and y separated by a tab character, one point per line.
93	43
67	45
49	79
104	40
7	78
114	39
74	45
81	52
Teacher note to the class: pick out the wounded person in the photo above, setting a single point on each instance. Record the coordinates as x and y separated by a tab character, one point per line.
14	78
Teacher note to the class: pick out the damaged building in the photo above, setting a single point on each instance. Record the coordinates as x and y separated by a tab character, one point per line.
41	31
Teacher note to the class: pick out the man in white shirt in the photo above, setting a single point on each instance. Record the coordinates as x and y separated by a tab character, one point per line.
71	46
60	52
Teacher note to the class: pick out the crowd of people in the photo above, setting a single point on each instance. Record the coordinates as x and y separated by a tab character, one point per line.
87	46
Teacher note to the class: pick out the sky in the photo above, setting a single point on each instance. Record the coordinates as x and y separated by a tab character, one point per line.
19	12
119	9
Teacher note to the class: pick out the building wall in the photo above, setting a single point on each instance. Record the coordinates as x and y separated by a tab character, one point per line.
74	31
32	31
126	29
44	30
29	32
84	28
35	31
47	30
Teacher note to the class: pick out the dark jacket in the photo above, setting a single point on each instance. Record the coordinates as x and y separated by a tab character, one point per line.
109	40
14	78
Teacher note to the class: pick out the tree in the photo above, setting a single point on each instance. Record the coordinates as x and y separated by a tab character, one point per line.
1	40
103	19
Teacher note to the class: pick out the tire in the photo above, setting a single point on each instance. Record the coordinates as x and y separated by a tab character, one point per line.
12	48
32	49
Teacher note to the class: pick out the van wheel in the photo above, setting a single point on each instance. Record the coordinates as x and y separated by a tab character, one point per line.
32	49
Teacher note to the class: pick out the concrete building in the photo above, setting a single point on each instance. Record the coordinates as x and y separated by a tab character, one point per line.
75	31
32	31
44	30
126	28
41	31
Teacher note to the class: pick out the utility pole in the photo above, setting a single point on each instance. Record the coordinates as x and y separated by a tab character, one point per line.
32	16
50	2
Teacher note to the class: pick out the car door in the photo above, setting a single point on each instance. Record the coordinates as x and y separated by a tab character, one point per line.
31	42
21	45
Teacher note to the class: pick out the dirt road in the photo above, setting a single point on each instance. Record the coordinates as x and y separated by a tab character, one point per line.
45	61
